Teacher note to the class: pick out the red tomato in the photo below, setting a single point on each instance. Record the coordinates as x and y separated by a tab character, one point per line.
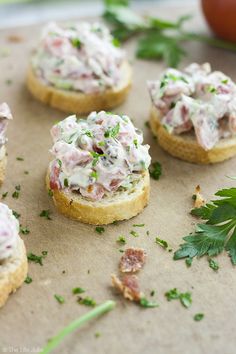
221	17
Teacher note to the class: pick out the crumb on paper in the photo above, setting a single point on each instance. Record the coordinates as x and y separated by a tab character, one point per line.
128	286
132	260
199	201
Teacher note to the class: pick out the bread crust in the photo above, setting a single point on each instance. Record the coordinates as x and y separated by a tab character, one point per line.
76	102
186	147
3	164
13	272
123	206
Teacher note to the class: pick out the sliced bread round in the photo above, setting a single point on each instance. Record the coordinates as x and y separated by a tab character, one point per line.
119	206
76	102
13	272
186	147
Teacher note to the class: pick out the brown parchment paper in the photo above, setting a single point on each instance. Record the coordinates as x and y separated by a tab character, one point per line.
32	315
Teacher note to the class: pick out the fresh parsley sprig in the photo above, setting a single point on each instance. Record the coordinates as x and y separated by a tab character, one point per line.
219	231
157	38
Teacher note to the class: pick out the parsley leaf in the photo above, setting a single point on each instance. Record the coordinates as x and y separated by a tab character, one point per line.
45	214
218	234
198	317
78	290
161	242
28	279
36	259
99	229
24	230
59	299
186	299
113	132
121	239
172	294
213	264
88	301
155	170
148	304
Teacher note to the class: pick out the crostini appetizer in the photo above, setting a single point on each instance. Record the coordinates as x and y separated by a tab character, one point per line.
5	115
13	259
79	68
194	114
100	169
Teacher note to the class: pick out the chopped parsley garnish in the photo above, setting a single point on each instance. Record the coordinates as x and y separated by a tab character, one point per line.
76	43
97	334
24	230
113	132
101	143
134	233
155	170
161	242
59	162
225	81
212	89
89	134
88	301
20	159
94	174
95	156
148	304
26	172
213	264
138	225
59	299
116	42
17	215
36	259
99	229
185	298
28	279
66	183
16	193
4	195
218	234
172	294
44	253
121	251
198	317
78	291
135	143
121	239
45	214
152	293
50	193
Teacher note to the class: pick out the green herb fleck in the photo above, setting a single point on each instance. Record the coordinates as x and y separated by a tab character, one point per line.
161	242
225	81
135	143
26	172
50	193
17	215
198	317
78	290
138	225
94	174
28	279
8	81
213	264
172	294
121	239
59	299
186	299
4	195
112	133
24	230
152	293
66	183
45	214
155	170
76	43
99	229
134	233
20	159
88	301
188	261
148	304
34	258
97	334
116	42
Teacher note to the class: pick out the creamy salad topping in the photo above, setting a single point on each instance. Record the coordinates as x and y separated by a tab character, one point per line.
5	115
97	156
82	57
198	99
9	232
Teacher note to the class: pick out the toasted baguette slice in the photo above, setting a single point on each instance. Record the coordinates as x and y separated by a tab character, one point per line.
76	102
121	206
186	147
3	164
13	272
